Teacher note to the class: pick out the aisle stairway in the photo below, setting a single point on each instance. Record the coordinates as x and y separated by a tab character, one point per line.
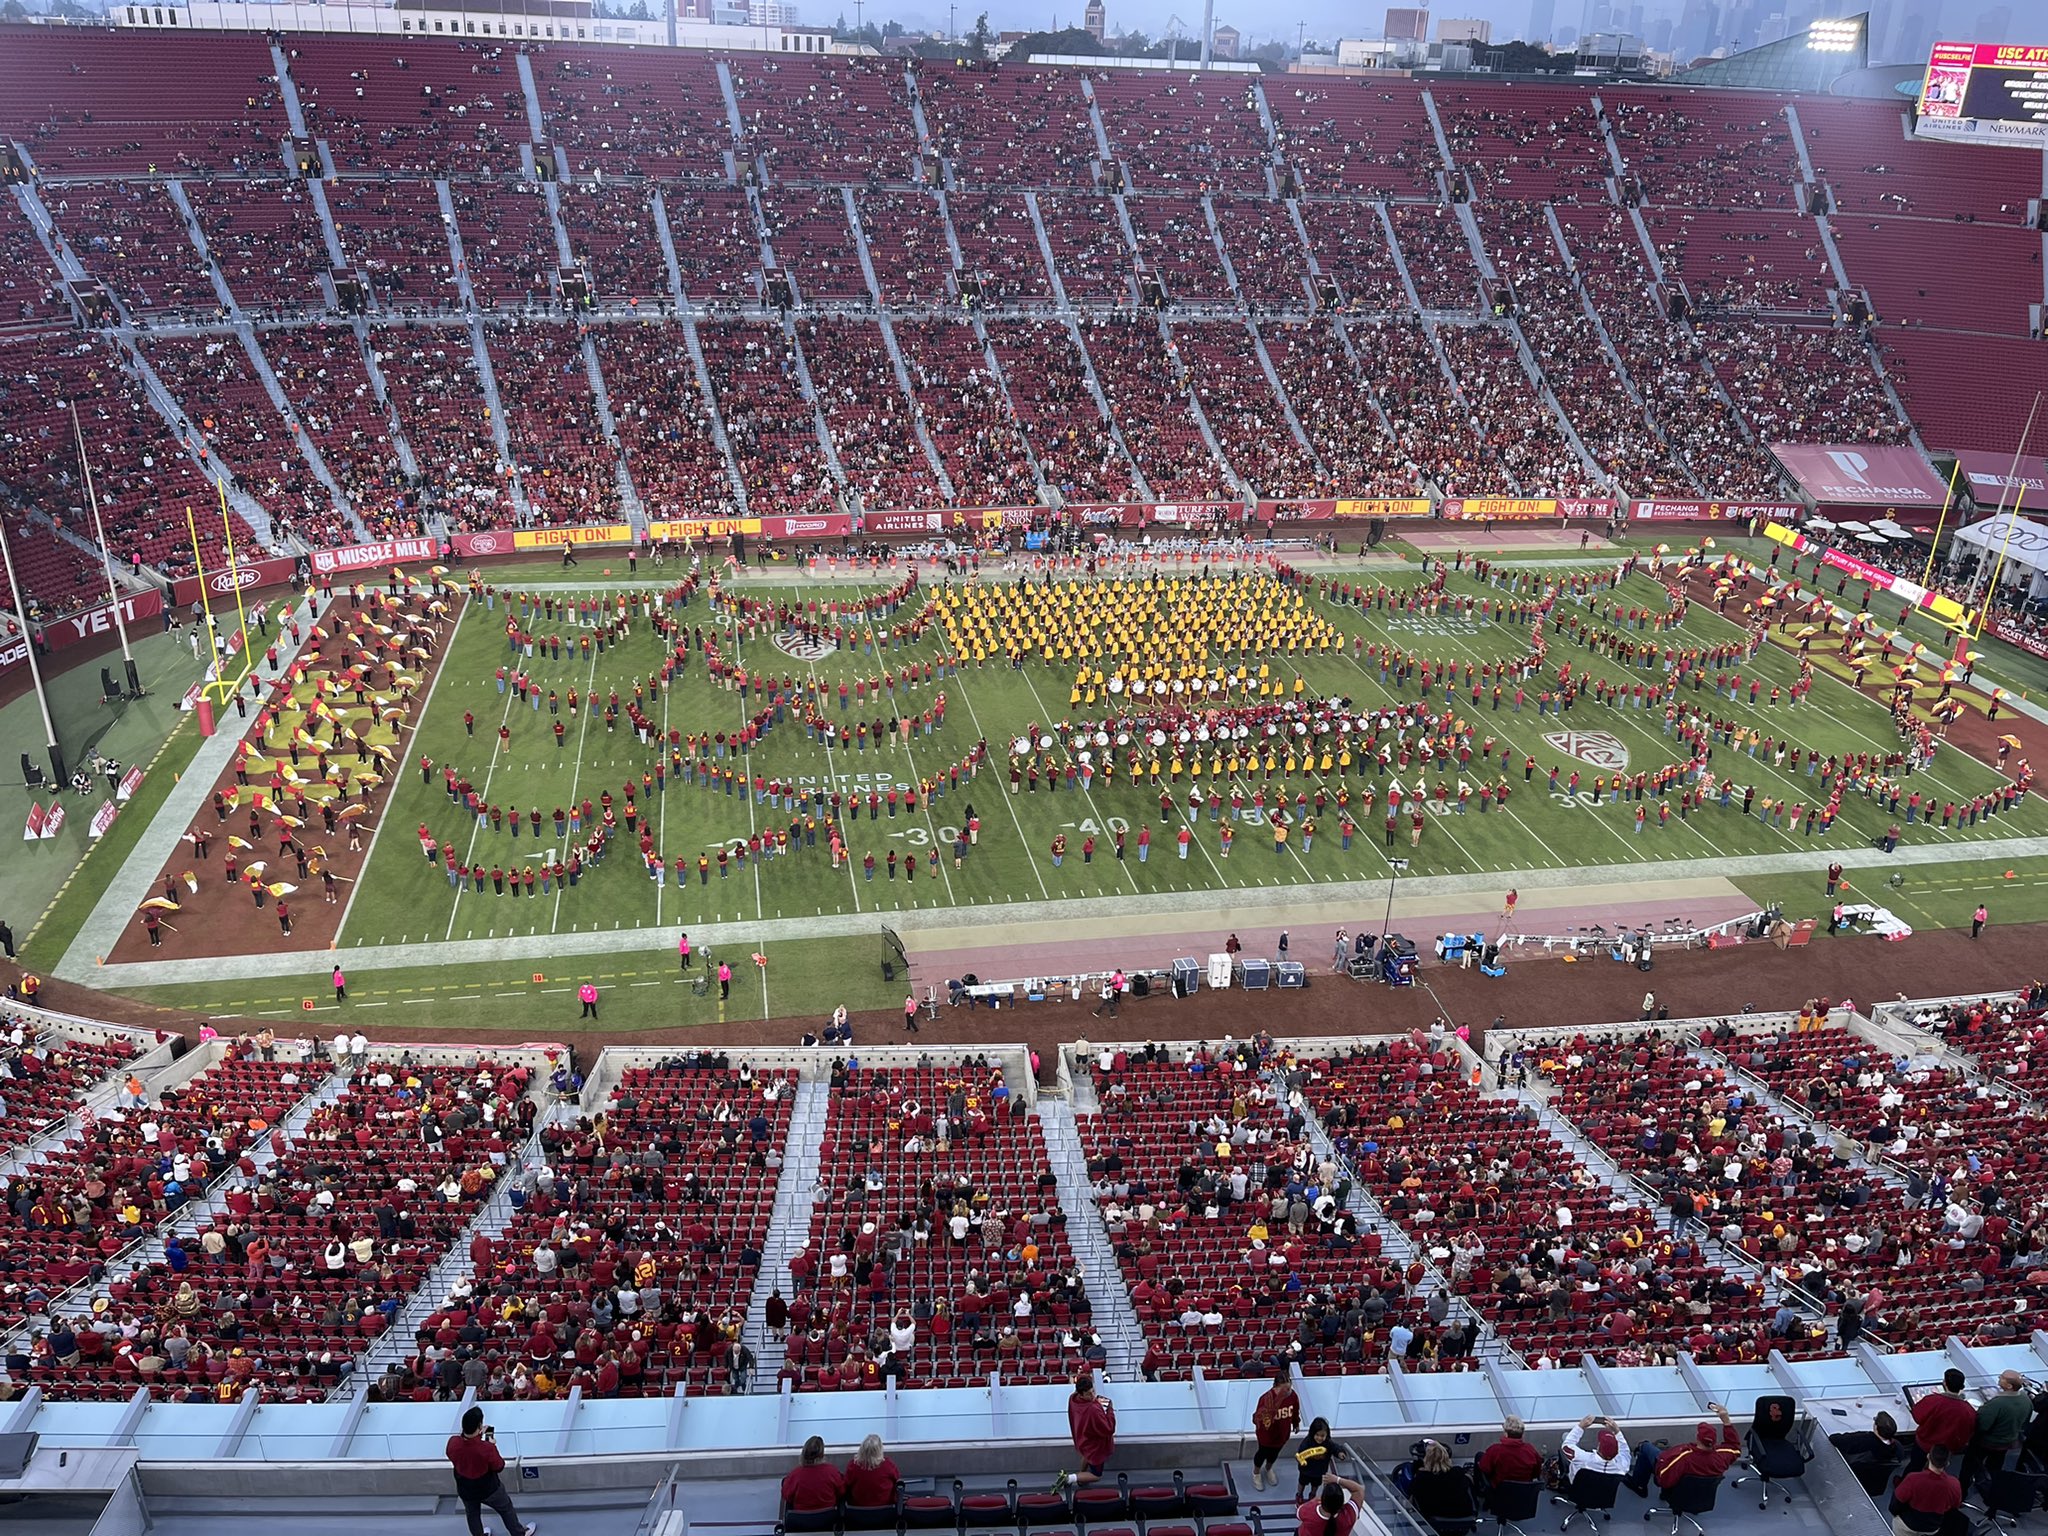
789	1224
1113	1316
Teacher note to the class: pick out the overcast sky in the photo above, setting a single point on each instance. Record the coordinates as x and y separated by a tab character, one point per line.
1894	22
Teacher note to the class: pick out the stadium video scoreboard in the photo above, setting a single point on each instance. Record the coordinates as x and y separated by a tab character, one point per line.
1986	93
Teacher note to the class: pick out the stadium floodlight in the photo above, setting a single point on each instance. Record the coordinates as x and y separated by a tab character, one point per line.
1835	36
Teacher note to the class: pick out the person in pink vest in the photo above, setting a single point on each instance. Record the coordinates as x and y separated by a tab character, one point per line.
587	996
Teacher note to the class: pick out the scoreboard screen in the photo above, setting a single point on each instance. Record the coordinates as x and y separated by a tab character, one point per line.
1986	93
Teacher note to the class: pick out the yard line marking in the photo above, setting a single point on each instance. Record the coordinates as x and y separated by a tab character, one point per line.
576	773
399	764
483	796
747	767
1023	842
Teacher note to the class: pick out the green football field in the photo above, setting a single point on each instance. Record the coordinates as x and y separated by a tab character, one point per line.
404	897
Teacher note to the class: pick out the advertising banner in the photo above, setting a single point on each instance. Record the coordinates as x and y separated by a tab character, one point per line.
54	822
77	628
903	522
345	558
130	782
1992	477
1862	474
1985	93
2012	634
34	830
1582	506
1646	510
1385	507
241	577
1504	509
103	818
555	538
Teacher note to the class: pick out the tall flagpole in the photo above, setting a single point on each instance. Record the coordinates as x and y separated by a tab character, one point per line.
107	559
58	777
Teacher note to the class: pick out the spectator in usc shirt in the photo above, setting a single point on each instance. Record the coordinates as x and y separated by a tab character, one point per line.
1092	1419
1705	1455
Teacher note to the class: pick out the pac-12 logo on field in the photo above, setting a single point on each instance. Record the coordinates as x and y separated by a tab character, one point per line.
1600	749
804	647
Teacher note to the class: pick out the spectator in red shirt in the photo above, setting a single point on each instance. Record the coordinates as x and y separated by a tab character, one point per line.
1509	1460
872	1481
474	1456
1943	1418
1092	1418
1930	1494
1705	1455
813	1484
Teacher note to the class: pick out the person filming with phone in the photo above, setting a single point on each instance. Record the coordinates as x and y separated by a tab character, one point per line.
474	1456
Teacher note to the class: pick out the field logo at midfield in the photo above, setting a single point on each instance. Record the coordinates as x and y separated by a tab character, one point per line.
804	647
1600	749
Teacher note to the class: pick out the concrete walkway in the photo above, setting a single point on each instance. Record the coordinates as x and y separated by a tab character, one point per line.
1094	916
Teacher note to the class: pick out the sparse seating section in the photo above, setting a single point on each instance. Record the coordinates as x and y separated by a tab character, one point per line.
612	236
1369	137
1265	253
1568	349
101	102
1705	148
1231	1233
1327	397
131	237
2007	1037
1439	258
393	237
812	241
265	238
1089	248
826	119
1350	246
938	1250
1009	127
1189	133
320	368
907	246
508	244
1247	417
233	414
412	105
47	1076
566	466
867	414
56	576
663	424
770	425
1147	388
971	424
628	112
1047	379
1526	142
717	249
432	376
1893	259
677	1161
1871	167
80	1206
31	291
1174	245
1969	390
1519	1226
1802	384
1000	248
1769	259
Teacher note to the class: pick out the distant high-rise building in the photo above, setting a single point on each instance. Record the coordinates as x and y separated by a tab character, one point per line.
1542	17
1095	19
1407	25
1464	30
1994	25
1223	42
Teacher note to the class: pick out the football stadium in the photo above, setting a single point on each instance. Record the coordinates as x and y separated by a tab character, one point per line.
780	778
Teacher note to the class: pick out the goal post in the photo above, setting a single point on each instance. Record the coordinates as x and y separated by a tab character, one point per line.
219	684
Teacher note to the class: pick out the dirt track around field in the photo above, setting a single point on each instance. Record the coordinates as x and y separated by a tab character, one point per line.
219	919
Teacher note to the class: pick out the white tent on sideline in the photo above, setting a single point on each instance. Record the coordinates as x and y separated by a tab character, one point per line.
2023	543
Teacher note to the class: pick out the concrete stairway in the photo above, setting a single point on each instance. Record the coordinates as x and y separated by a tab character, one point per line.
1046	494
810	389
175	190
1201	417
1109	1297
695	346
288	91
1052	267
328	231
308	449
1280	394
1108	416
789	1226
534	127
392	424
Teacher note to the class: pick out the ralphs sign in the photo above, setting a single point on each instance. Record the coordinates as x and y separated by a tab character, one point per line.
1598	749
